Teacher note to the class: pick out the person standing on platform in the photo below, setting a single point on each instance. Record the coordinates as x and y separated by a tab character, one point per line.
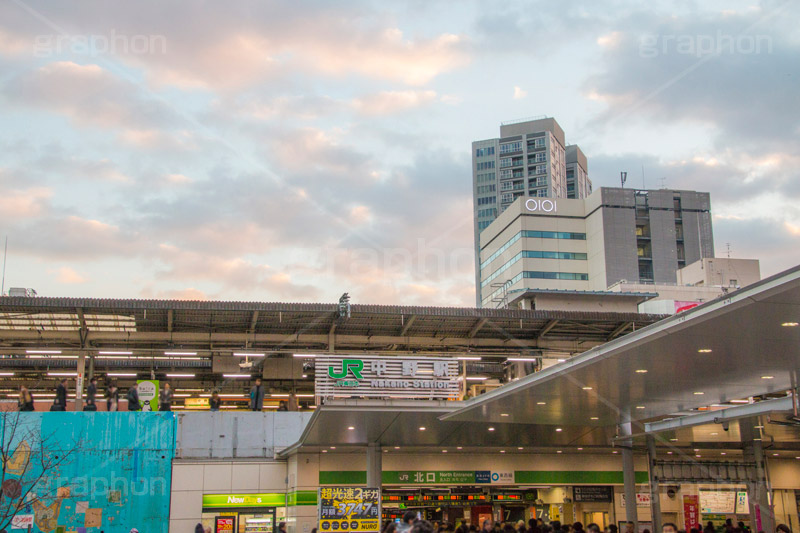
91	395
133	398
257	396
112	398
214	401
60	403
165	400
25	402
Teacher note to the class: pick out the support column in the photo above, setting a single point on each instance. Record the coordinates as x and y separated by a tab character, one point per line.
79	381
655	499
761	515
374	466
629	477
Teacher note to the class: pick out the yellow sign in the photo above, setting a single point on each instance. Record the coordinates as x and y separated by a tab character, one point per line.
196	403
349	509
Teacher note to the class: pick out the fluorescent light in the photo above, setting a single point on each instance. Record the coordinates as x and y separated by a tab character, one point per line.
63	374
279	395
790	324
699	393
587	388
180	375
504	414
121	375
477	378
351	428
304	395
704	350
248	354
422	428
231	395
641	371
560	360
236	376
640	407
767	377
44	352
304	355
491	429
468	358
740	401
6	374
594	418
541	403
502	451
522	359
180	353
559	430
115	353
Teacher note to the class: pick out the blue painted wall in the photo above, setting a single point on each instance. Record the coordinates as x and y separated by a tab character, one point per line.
122	467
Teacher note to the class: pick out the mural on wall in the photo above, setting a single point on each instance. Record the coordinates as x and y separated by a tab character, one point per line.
86	472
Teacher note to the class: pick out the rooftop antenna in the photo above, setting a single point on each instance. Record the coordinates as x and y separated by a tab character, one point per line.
623	177
663	182
728	249
5	255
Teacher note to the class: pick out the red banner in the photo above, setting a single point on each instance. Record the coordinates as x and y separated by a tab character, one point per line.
691	512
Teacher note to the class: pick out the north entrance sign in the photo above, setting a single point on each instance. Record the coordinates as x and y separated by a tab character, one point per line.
386	377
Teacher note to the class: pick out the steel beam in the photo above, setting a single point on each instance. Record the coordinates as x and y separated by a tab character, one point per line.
407	324
477	327
723	415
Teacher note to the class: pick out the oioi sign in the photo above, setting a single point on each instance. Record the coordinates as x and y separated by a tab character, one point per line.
386	377
542	205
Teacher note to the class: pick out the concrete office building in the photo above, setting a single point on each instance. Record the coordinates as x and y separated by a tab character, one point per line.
590	244
530	159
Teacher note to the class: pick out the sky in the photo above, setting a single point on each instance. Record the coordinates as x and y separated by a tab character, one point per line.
295	150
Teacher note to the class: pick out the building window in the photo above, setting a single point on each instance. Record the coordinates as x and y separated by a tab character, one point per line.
506	185
486	188
507	148
483	178
483	152
487	200
485	165
506	198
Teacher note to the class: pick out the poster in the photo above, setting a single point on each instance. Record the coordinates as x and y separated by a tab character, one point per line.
22	521
224	524
148	394
717	501
691	511
597	494
349	509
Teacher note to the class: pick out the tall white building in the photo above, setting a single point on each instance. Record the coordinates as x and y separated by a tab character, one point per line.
530	159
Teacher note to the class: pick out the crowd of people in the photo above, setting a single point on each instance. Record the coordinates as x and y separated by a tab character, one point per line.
112	397
411	524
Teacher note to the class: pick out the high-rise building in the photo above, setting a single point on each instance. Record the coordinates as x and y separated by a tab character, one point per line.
530	159
589	244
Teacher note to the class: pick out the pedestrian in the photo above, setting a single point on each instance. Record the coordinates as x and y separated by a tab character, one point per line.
282	406
281	525
669	527
60	403
165	399
112	397
593	528
199	528
257	396
25	402
91	395
422	526
408	520
133	399
783	528
521	526
577	527
214	401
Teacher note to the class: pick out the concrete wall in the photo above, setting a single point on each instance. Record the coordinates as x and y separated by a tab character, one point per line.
240	434
721	271
192	479
662	236
619	236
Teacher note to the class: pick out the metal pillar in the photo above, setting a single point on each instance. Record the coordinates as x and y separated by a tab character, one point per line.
629	476
761	515
655	499
79	381
374	466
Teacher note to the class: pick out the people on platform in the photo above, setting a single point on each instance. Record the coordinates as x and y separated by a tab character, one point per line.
592	528
407	521
215	401
112	397
165	398
91	395
25	402
257	396
282	406
60	403
783	528
669	527
133	399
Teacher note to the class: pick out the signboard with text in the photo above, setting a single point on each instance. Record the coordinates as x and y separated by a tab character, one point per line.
691	511
224	524
642	499
447	477
349	509
148	394
593	494
22	521
366	376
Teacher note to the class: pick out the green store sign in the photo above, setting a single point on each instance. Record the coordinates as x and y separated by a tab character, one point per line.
268	499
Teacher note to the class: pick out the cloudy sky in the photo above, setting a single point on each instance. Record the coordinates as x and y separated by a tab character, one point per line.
295	150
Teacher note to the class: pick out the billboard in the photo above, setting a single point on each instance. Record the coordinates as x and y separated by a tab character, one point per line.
349	509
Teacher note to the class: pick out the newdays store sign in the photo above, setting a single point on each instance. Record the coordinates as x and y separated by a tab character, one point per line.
386	377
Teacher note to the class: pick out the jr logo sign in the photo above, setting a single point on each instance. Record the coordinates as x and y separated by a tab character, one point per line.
348	365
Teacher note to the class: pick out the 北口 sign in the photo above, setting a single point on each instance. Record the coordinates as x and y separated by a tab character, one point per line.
386	377
349	509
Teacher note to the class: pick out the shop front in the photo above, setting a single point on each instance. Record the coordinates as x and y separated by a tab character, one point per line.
243	513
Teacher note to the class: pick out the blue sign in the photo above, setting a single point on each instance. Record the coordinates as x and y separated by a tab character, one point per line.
483	476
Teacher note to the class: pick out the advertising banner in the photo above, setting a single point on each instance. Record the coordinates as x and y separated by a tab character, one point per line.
349	509
224	524
148	394
367	376
22	521
691	511
642	499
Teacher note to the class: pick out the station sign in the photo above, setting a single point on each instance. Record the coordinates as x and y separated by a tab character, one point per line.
366	376
349	509
447	477
593	494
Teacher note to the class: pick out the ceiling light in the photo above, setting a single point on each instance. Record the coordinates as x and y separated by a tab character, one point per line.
62	374
641	371
594	418
522	359
115	353
699	393
351	428
541	403
44	352
723	453
714	434
740	401
444	451
580	449
502	451
397	447
305	375
790	324
468	358
333	447
304	355
587	388
673	439
669	453
491	429
303	395
121	374
180	353
640	406
6	374
180	375
422	428
560	360
248	354
698	455
459	448
704	350
759	427
476	378
775	454
558	429
767	377
324	451
615	451
559	451
519	447
504	414
236	376
281	395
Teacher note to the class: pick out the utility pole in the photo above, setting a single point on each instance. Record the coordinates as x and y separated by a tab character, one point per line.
3	283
